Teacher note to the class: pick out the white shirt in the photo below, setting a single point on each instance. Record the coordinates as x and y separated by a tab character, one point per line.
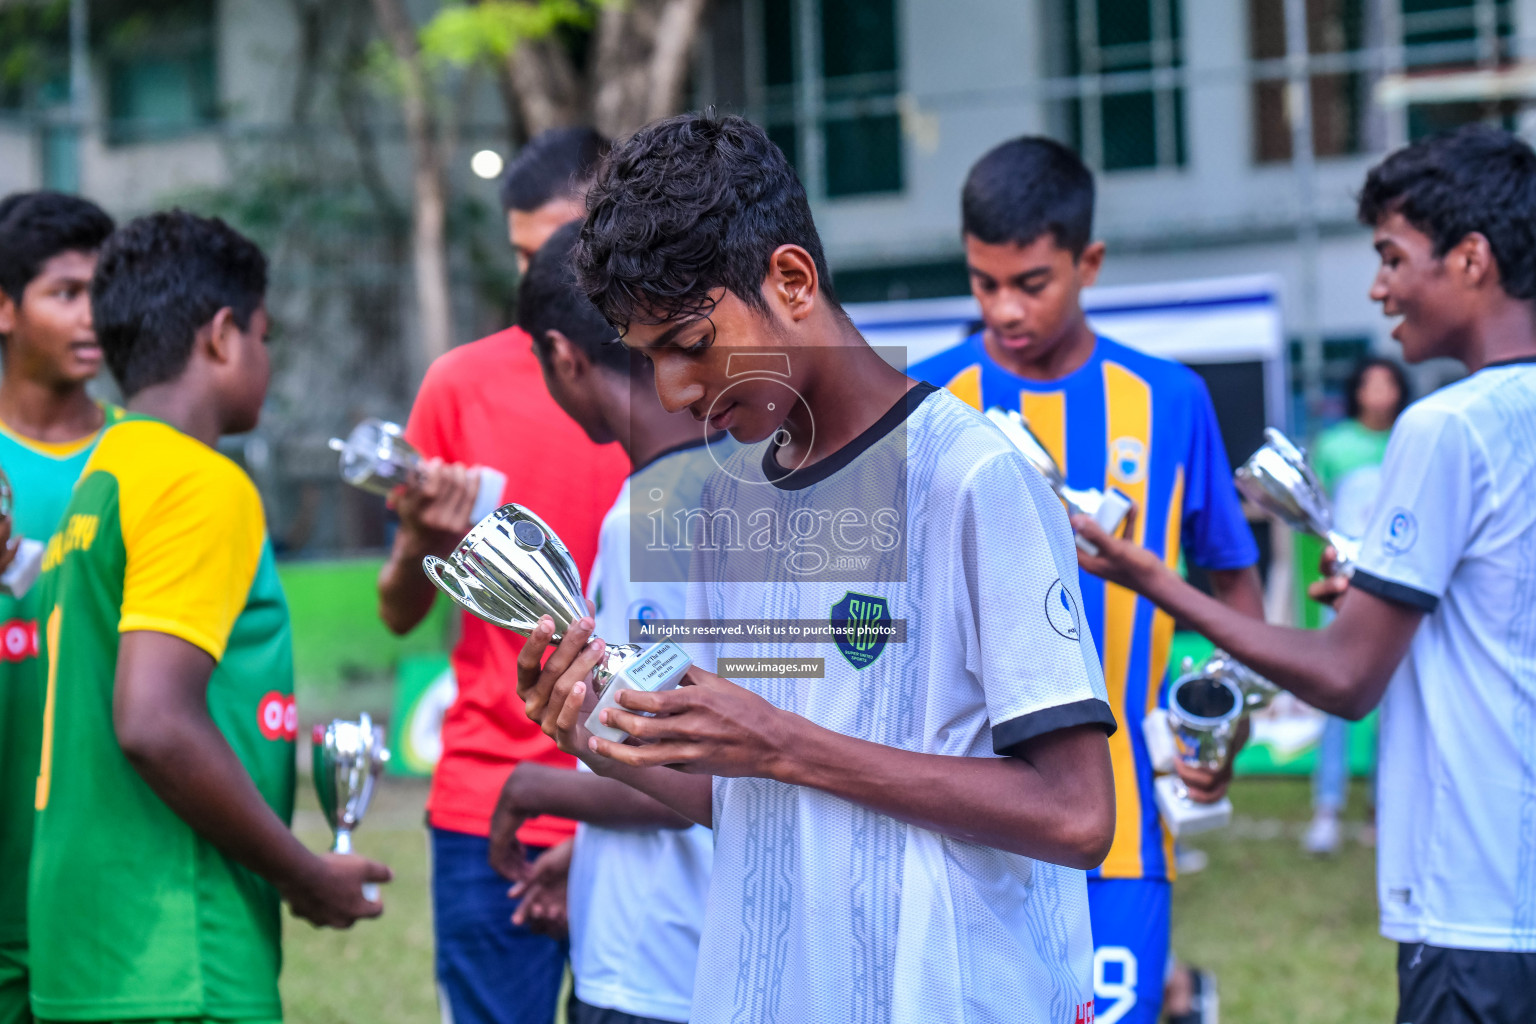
1454	533
822	910
636	896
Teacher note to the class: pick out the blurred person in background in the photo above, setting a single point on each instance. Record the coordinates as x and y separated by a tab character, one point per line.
165	787
484	404
1347	458
48	425
636	876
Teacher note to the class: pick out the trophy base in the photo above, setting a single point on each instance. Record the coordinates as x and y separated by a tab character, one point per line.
1182	815
659	667
22	572
1110	515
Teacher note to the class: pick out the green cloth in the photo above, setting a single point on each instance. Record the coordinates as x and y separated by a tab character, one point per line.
42	477
1346	447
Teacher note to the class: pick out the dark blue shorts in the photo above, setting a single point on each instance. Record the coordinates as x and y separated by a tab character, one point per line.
1130	948
489	971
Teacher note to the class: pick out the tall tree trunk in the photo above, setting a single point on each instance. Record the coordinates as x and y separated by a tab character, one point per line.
549	90
640	61
429	187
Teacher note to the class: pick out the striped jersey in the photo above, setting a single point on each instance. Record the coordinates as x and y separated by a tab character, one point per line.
1145	427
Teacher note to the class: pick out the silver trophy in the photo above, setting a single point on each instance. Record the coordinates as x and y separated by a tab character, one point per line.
377	458
28	560
511	570
1206	707
1277	479
1108	508
348	759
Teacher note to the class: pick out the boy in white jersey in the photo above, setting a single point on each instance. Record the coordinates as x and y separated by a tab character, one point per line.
1438	622
636	874
903	836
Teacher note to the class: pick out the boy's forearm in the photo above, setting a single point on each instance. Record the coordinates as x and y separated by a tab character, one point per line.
405	593
690	796
1055	803
1342	669
591	798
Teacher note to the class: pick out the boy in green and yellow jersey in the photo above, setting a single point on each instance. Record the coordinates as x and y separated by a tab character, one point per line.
48	425
162	846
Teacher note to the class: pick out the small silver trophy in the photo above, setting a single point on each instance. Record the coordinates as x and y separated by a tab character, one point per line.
1108	508
511	570
28	560
1206	707
348	759
1277	479
377	458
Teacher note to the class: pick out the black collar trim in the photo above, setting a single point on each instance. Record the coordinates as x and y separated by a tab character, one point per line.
797	479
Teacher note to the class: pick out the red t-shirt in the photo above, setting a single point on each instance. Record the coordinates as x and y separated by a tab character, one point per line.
484	404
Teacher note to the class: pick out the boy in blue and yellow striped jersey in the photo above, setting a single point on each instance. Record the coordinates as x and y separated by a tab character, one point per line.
1112	417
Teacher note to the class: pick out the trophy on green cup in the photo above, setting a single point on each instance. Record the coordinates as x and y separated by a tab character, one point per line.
511	570
348	758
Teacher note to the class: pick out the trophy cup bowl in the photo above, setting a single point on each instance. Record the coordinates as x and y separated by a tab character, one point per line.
1277	479
511	569
1257	691
1107	508
376	457
1205	710
348	758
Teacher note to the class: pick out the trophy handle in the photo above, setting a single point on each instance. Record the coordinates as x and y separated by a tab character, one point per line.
444	576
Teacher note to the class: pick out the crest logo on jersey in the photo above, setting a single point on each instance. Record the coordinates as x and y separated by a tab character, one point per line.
861	624
278	716
1128	459
1402	531
1061	611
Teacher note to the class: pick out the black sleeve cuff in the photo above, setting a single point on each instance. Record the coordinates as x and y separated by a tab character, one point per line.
1390	590
1009	736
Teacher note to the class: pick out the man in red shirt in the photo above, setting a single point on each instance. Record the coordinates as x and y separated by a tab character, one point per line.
484	404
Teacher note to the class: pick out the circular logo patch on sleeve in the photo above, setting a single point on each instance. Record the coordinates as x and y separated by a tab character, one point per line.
1061	610
1402	531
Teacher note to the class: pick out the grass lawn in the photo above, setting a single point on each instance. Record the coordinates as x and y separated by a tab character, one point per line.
1291	939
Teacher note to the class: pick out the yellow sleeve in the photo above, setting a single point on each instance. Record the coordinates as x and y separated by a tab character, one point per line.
193	543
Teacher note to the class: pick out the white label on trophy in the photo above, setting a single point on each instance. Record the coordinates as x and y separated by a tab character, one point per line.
657	668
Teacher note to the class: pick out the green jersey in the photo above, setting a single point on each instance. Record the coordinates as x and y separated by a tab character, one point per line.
133	914
42	476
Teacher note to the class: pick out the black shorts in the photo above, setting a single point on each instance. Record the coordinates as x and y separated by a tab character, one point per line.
578	1012
1436	985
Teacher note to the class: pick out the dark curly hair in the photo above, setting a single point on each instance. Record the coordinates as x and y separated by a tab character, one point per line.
555	164
687	205
1475	179
159	280
549	299
37	226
